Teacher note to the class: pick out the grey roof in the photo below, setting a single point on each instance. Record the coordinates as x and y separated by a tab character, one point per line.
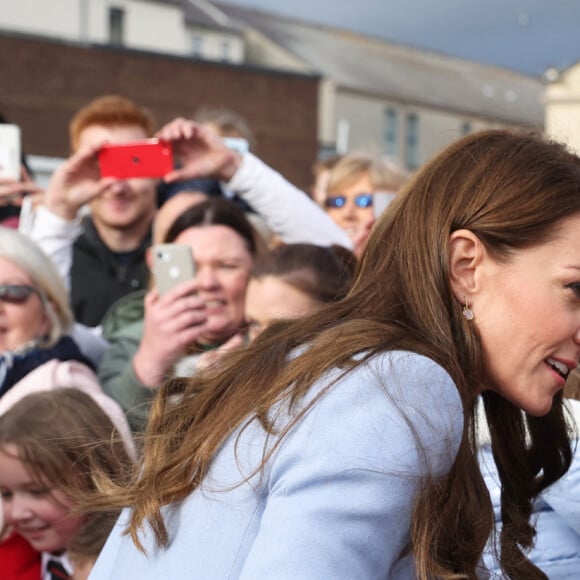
398	72
204	13
175	2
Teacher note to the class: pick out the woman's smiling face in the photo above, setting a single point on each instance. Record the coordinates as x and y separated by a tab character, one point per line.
527	312
222	266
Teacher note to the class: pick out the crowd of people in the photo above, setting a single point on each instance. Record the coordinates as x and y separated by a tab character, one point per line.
337	390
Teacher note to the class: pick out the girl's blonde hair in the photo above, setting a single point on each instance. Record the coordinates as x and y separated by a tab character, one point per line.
384	174
64	437
23	252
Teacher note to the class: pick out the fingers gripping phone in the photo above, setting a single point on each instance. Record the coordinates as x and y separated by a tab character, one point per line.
172	265
146	158
9	151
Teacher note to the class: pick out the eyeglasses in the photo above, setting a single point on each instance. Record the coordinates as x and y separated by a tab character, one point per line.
16	293
361	200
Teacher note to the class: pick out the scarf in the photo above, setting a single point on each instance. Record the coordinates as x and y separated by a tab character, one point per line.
14	366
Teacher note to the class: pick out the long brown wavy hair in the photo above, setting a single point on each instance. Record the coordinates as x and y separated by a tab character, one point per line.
512	190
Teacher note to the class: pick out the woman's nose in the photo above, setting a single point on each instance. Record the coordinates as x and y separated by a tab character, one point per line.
207	278
349	209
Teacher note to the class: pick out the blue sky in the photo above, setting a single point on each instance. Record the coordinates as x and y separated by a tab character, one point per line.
525	35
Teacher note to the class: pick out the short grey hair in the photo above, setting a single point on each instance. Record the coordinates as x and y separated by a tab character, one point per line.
28	256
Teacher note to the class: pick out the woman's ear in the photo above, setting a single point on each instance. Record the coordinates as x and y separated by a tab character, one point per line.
466	254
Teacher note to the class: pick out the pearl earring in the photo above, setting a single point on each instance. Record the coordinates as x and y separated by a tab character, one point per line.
467	312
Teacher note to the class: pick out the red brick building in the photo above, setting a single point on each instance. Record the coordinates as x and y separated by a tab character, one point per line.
44	82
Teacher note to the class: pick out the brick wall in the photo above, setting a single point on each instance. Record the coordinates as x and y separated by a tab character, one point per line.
45	82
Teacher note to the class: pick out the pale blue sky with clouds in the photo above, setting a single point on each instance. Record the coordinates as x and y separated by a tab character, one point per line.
524	35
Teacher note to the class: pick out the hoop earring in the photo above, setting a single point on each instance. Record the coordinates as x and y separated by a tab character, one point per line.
467	312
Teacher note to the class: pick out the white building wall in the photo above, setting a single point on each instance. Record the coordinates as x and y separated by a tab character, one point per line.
54	18
212	47
326	112
150	26
365	117
96	25
563	108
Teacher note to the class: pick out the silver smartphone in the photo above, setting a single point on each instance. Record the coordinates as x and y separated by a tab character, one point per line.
10	151
172	265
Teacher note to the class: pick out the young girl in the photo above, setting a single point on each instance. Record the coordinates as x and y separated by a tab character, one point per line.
51	443
296	280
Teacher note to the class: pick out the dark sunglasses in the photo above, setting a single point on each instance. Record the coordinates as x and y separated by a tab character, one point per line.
362	200
16	293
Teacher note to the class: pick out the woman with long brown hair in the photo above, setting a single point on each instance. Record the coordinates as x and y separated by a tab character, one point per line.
343	445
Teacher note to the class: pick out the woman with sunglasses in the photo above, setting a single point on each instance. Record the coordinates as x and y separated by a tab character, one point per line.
37	351
352	183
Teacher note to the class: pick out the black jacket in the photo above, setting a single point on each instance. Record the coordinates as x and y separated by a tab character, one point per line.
99	276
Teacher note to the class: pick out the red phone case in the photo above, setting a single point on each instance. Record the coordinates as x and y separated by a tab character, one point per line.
147	158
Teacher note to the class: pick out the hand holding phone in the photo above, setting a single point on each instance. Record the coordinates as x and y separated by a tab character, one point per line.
147	158
172	265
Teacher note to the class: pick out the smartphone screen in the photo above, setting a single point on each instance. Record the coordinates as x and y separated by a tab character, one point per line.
172	265
9	151
147	158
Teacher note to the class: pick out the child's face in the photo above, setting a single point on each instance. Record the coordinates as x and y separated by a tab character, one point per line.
34	510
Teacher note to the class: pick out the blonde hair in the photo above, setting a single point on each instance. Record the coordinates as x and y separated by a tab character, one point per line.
28	256
226	122
383	173
64	432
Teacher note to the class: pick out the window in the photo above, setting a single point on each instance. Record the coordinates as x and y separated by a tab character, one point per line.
391	137
412	141
116	26
196	44
226	50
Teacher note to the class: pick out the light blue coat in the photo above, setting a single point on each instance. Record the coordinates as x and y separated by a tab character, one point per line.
556	514
335	499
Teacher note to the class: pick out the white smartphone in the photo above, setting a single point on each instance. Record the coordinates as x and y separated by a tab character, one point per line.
172	265
9	151
381	199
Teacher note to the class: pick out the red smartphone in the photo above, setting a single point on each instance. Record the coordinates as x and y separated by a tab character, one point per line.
147	158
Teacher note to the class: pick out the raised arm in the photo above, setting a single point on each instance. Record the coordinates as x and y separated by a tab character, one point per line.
289	212
55	224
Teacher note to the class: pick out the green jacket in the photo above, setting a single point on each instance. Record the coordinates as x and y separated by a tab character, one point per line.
123	328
